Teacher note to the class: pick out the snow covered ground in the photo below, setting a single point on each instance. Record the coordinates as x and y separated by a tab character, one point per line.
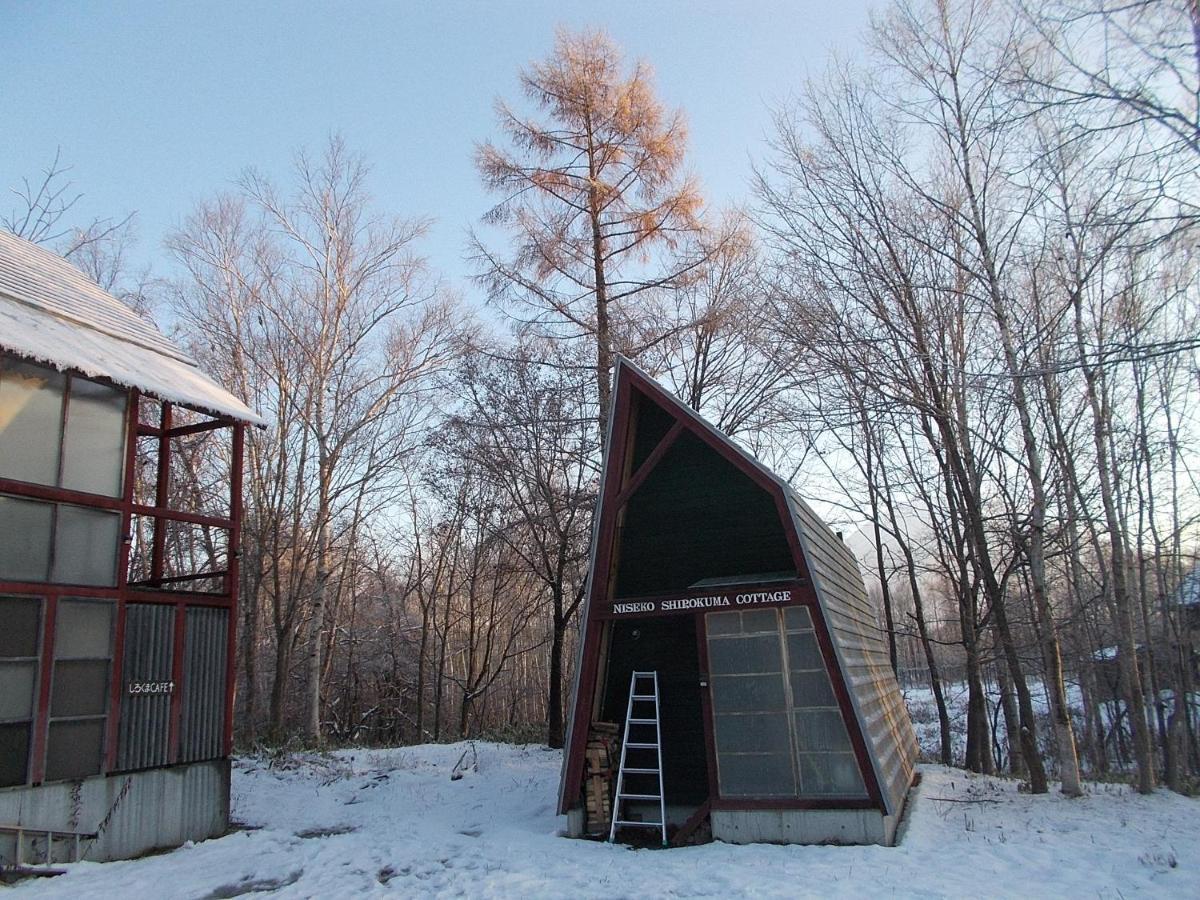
393	823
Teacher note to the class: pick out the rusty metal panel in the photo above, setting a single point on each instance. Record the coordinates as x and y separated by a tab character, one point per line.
203	715
145	725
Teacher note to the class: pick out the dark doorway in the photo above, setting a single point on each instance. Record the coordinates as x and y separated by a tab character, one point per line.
666	646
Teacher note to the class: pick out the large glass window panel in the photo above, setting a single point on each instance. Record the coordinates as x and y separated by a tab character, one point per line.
748	693
803	652
94	446
14	753
30	421
24	539
741	655
830	774
74	749
80	687
83	630
17	681
812	689
757	775
820	729
22	620
86	545
797	618
752	733
778	729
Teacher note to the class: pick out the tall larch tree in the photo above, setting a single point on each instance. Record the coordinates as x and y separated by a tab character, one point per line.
599	212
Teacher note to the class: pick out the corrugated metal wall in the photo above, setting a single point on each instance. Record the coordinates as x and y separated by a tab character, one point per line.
146	718
203	717
861	644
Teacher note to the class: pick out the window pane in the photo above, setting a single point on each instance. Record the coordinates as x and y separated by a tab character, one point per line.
812	689
84	630
22	626
85	549
30	421
797	618
747	693
760	621
759	653
723	623
14	753
24	539
74	749
757	775
16	689
747	734
803	652
93	451
821	729
830	773
80	687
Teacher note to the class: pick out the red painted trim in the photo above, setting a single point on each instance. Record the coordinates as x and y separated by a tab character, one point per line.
185	430
118	661
161	494
176	516
599	587
232	582
59	495
37	751
644	470
176	676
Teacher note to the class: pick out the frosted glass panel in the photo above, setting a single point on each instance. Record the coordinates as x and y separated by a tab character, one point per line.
30	421
751	734
84	630
830	774
757	775
821	729
93	451
85	551
24	539
74	749
16	690
757	653
80	687
14	754
22	618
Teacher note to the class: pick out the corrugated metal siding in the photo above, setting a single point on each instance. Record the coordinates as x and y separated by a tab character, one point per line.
202	726
146	718
861	644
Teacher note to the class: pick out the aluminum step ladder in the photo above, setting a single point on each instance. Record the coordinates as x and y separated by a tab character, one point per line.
643	698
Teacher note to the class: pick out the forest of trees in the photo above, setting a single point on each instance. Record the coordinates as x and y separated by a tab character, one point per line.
961	311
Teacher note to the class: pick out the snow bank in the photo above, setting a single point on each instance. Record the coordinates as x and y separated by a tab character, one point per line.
393	823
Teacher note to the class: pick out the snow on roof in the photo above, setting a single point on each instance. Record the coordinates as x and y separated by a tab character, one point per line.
52	313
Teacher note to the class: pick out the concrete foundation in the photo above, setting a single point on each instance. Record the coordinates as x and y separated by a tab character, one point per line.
804	826
130	814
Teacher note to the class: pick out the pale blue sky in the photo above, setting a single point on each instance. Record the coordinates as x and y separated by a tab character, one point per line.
157	105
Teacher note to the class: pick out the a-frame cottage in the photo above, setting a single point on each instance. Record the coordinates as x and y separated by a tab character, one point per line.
779	718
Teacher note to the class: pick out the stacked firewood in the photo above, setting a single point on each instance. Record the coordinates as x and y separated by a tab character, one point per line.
603	756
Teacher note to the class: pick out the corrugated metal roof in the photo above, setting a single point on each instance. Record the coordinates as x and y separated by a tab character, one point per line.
51	312
861	647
